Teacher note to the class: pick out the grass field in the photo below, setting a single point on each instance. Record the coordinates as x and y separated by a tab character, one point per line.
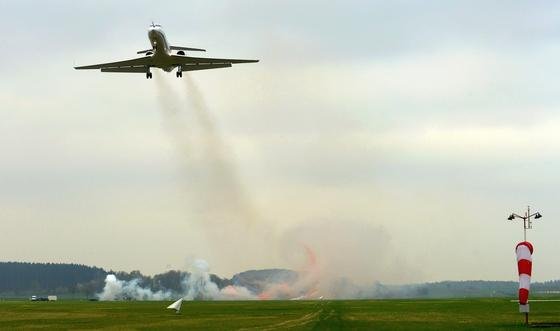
468	314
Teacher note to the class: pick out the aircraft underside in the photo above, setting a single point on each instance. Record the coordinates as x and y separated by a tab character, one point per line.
161	56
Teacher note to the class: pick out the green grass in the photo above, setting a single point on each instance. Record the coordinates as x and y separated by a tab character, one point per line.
468	314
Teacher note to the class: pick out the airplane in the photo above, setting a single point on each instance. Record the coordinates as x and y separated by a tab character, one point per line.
161	56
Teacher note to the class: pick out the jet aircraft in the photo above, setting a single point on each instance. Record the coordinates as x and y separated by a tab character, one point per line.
161	56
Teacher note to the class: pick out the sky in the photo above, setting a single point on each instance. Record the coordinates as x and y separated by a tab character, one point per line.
393	138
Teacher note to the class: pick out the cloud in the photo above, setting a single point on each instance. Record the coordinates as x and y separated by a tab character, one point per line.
404	111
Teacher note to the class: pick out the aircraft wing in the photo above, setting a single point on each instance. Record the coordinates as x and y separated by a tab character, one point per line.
140	62
200	66
188	60
139	69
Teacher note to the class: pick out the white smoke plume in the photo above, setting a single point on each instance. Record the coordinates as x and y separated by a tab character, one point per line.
199	286
310	283
196	286
116	289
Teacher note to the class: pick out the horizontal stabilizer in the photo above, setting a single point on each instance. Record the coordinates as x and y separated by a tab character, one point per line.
179	48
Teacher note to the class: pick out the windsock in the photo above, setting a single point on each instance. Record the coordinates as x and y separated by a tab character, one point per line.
524	251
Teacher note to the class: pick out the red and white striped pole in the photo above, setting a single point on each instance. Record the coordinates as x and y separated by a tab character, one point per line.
524	252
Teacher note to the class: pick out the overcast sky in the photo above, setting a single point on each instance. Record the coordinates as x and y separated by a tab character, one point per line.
392	137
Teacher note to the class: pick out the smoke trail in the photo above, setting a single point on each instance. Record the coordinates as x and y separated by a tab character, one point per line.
234	227
238	237
217	198
227	189
205	154
173	119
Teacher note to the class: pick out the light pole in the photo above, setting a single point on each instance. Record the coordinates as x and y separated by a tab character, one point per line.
527	222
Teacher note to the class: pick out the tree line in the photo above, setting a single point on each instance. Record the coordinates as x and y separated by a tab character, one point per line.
23	279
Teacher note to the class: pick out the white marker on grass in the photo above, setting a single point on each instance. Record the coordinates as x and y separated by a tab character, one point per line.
176	305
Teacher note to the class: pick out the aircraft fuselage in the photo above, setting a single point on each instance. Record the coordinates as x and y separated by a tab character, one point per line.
162	50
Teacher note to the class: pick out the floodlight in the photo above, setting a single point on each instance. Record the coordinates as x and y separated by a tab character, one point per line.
511	217
538	215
